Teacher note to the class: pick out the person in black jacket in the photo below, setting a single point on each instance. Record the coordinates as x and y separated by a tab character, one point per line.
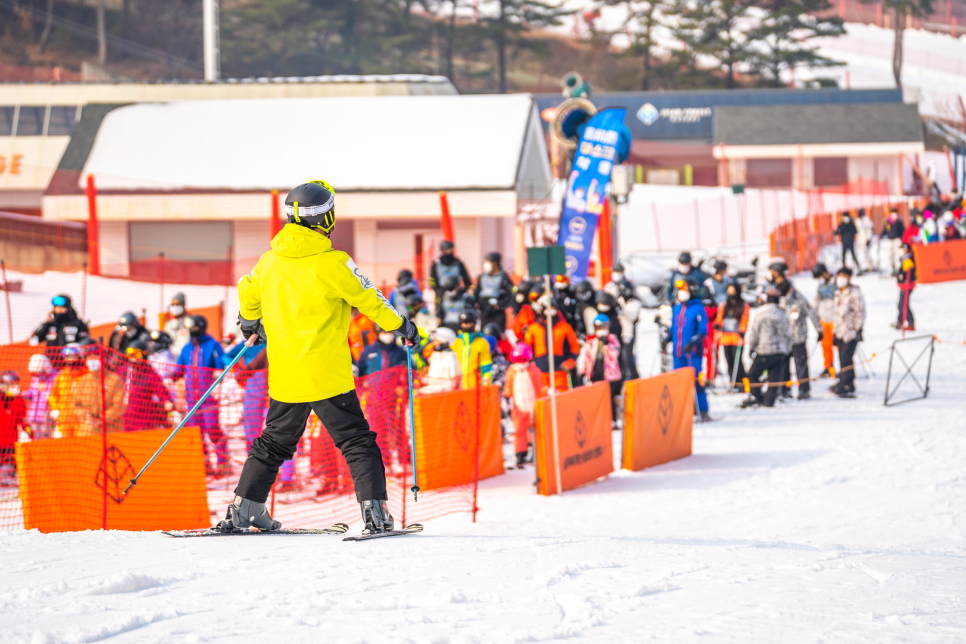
846	231
493	291
129	329
62	325
445	266
892	231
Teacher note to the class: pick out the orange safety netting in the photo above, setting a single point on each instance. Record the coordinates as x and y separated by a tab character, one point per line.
86	420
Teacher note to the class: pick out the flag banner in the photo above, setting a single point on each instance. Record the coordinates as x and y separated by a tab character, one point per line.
596	154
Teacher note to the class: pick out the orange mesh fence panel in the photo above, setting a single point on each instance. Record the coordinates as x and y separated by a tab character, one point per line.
584	436
942	262
658	418
85	490
449	426
103	397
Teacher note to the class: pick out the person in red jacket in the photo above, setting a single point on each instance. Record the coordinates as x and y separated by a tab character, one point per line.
13	412
564	343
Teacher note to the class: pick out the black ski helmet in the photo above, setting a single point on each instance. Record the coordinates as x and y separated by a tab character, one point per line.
312	205
606	299
493	330
469	316
127	321
494	257
584	291
159	340
198	326
405	276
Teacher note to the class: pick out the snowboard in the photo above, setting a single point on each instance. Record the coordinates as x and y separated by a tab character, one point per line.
409	529
338	528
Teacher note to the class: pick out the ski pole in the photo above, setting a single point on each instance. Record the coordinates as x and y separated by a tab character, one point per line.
412	419
184	421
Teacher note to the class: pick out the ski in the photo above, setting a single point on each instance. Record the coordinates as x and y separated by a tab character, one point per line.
409	529
338	528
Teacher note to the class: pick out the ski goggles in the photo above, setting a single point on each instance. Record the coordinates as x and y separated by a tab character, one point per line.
59	300
681	285
134	352
71	351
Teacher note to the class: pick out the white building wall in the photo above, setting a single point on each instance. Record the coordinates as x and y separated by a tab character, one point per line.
249	241
115	248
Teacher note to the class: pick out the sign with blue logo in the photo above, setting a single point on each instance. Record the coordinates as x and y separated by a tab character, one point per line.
603	143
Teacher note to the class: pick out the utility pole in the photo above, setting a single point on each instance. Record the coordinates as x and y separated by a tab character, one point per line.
212	54
101	34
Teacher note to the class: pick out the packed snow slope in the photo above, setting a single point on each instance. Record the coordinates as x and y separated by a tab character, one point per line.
818	521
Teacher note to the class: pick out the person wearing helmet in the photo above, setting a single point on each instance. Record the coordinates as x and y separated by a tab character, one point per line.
406	285
685	269
689	326
494	291
161	357
619	286
825	307
563	343
452	302
148	400
600	359
176	325
384	353
522	386
37	396
362	333
64	389
473	351
61	327
298	298
128	330
718	283
768	342
566	299
607	305
523	315
13	416
198	362
446	266
891	239
906	279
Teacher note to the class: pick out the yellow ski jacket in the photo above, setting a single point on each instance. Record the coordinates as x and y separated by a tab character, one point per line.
303	291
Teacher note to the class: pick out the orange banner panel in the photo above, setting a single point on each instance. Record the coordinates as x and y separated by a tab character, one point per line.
584	424
941	262
658	418
446	437
67	484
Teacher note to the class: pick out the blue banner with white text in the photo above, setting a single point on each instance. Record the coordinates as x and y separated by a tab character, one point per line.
596	154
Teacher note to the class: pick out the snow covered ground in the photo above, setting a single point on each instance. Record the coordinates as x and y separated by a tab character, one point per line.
820	521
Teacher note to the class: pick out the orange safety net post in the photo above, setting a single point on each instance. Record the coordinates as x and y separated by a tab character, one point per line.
584	425
658	419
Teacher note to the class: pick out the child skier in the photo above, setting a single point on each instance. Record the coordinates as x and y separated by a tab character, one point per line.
523	385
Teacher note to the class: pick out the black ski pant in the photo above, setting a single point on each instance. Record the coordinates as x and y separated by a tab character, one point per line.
775	366
731	356
343	418
906	318
800	356
629	360
846	364
850	248
493	316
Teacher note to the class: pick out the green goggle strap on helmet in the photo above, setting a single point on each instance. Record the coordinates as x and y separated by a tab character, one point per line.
295	212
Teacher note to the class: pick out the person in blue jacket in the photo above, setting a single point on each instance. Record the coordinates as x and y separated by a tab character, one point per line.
199	360
385	353
689	325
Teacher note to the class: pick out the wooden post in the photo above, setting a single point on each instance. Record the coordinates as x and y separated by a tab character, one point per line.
93	233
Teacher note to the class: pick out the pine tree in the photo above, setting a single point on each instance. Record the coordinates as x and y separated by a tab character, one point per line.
645	19
902	10
718	29
510	22
782	32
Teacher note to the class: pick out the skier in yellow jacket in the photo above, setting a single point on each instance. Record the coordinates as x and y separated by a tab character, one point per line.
299	296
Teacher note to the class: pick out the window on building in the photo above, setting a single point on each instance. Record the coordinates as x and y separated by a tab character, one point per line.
6	120
830	171
31	120
61	121
769	173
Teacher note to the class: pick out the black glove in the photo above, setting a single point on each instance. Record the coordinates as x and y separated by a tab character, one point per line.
408	332
249	327
687	347
858	336
820	336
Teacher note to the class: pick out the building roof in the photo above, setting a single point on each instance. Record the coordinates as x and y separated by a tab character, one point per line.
385	143
817	124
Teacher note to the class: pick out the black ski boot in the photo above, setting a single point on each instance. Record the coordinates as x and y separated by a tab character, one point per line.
375	514
521	459
243	514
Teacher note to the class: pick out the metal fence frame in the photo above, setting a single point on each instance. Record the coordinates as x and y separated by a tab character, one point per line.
890	393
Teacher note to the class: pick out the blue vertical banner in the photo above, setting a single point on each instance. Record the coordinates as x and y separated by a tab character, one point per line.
604	142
